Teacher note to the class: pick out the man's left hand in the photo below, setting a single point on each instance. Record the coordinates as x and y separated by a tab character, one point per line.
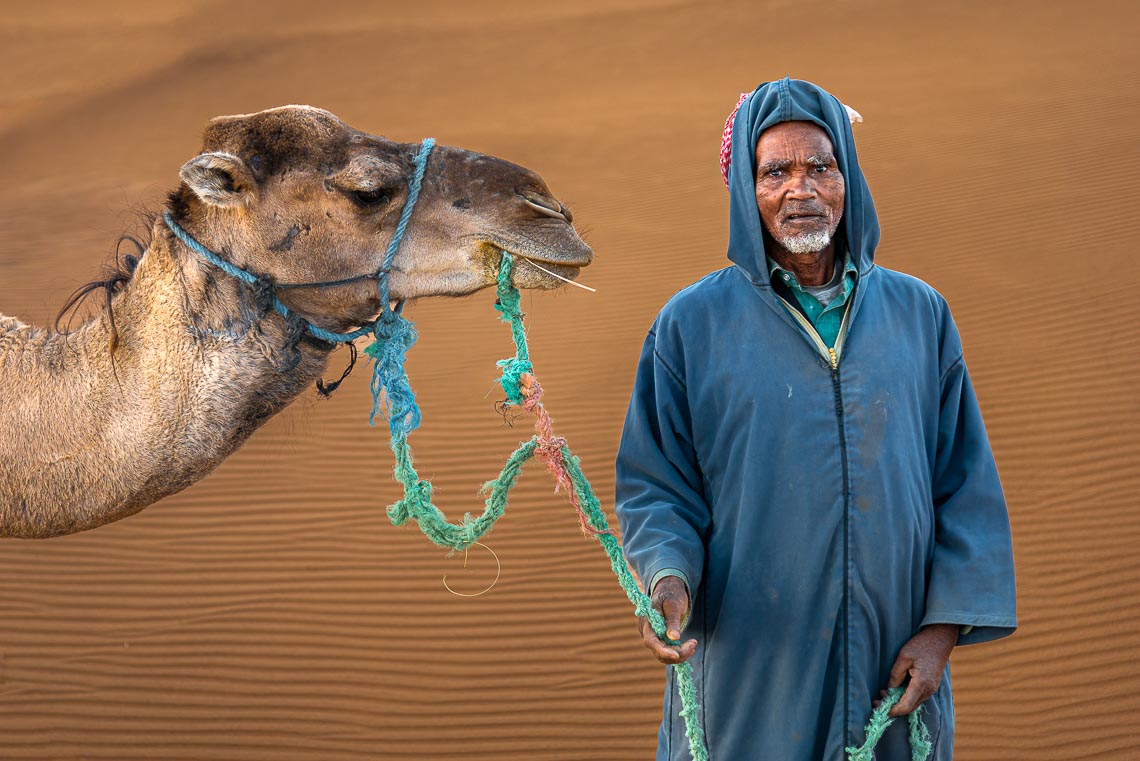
923	658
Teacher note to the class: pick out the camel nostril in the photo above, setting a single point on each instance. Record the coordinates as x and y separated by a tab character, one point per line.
544	205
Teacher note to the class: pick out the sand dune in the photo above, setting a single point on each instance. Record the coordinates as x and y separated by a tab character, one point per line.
271	612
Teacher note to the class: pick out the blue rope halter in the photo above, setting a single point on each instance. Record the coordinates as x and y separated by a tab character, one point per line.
393	333
381	274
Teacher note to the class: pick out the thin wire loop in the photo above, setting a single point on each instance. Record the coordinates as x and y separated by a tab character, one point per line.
498	572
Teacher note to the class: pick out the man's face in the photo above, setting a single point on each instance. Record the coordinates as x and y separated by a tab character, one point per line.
799	189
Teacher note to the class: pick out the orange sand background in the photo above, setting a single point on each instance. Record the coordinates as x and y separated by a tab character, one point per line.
271	612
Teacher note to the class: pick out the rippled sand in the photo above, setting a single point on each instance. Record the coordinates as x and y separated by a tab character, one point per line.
271	612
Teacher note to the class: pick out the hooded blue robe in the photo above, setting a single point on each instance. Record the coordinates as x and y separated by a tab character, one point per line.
822	509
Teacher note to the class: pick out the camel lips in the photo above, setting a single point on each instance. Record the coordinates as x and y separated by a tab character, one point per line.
555	274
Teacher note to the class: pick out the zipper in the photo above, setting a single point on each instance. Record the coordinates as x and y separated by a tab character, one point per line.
831	356
838	390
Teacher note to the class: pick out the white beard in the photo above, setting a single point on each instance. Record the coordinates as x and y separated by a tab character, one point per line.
807	243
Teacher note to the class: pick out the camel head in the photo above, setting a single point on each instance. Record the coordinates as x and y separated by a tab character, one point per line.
296	195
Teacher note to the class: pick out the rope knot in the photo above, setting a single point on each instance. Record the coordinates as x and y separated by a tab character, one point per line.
550	448
513	371
398	512
416	503
394	337
531	391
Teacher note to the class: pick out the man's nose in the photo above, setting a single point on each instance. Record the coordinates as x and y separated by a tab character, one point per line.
801	186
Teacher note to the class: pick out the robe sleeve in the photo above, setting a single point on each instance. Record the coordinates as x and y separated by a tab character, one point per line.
971	581
660	502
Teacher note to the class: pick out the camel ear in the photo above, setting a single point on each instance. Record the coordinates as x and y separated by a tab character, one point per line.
220	179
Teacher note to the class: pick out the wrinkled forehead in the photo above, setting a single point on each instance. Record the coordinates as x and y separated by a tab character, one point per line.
795	137
289	136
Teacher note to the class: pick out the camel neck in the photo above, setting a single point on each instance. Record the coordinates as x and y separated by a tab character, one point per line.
195	372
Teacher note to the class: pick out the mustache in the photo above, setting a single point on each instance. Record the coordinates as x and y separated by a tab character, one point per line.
802	210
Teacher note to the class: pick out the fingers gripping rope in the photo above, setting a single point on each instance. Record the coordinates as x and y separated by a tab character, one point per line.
920	744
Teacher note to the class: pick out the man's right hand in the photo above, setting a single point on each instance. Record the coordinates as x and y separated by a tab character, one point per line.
671	599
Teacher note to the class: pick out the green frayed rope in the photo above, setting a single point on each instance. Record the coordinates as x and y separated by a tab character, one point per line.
417	505
642	605
920	744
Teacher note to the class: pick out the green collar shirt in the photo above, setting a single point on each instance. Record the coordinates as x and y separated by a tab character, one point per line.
825	318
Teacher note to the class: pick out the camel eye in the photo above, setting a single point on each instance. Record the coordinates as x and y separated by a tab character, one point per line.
370	198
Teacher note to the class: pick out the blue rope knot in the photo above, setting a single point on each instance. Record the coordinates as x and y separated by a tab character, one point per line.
395	335
264	287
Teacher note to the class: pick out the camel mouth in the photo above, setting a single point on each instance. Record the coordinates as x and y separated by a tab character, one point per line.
574	256
549	263
530	270
560	271
496	251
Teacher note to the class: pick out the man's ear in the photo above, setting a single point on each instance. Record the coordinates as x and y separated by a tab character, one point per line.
220	179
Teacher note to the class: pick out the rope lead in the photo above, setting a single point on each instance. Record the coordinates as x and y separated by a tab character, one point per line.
523	390
920	744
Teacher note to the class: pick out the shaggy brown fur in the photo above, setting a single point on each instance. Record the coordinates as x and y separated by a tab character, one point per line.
88	436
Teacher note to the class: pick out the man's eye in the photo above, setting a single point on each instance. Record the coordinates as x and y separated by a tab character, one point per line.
775	172
821	169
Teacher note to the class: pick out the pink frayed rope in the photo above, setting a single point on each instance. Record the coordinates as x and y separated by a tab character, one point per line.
550	448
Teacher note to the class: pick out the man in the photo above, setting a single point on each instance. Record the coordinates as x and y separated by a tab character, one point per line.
804	464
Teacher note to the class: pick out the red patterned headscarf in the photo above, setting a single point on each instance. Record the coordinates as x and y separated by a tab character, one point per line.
726	139
726	136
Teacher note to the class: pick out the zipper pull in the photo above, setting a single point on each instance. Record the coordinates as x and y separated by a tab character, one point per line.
834	359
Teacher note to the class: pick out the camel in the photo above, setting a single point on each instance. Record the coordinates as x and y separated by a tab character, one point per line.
148	396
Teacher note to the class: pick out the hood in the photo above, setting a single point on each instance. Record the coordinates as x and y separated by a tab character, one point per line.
785	101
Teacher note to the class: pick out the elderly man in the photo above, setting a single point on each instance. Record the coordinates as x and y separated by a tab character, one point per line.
804	464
